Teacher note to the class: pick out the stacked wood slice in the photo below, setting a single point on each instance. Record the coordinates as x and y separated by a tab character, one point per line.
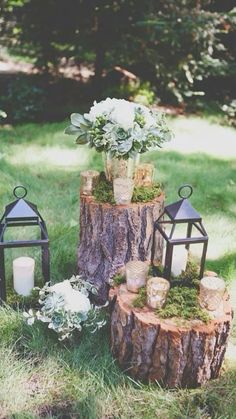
174	352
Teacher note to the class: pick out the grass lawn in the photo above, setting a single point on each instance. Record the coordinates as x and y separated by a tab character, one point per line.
40	377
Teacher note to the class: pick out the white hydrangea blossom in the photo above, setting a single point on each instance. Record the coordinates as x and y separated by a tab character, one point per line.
76	302
65	307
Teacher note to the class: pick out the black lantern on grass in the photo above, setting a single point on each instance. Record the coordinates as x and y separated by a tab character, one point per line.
18	214
180	212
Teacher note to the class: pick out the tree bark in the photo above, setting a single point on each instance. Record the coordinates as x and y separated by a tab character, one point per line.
111	235
174	353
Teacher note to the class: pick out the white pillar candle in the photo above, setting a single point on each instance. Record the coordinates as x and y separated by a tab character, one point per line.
179	260
136	274
157	291
123	190
212	290
23	275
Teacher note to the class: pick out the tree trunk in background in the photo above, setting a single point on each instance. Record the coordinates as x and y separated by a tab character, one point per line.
111	235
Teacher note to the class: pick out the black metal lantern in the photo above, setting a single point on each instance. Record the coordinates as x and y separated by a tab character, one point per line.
180	212
22	213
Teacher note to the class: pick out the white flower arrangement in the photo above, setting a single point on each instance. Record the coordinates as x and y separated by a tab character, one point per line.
120	127
66	307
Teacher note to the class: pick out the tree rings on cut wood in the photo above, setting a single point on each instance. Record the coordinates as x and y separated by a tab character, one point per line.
176	353
112	235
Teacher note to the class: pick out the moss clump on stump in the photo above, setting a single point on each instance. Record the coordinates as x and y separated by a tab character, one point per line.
183	302
140	300
103	192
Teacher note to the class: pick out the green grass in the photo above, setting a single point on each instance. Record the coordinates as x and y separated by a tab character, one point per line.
40	377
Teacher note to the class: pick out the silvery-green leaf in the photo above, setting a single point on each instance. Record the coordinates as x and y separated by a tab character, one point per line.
82	139
125	146
72	130
77	119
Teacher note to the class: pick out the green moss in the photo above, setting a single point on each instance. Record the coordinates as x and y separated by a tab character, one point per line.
183	302
15	300
103	192
140	300
118	280
146	193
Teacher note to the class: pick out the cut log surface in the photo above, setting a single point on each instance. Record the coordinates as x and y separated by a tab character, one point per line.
174	352
111	235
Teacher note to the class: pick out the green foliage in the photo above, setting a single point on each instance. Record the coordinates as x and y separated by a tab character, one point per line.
146	193
23	101
65	306
120	127
141	299
103	192
118	280
15	300
182	48
183	302
230	113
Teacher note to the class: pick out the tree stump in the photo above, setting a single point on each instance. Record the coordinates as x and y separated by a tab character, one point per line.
111	235
176	353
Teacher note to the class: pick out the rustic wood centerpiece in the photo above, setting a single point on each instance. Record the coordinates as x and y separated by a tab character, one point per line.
174	352
111	235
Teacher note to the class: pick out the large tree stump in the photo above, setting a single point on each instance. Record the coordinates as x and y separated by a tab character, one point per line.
175	353
111	235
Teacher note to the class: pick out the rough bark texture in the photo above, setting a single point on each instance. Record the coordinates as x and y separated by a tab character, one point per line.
149	348
111	235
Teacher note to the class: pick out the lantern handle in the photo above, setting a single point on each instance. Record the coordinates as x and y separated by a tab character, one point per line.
20	187
183	187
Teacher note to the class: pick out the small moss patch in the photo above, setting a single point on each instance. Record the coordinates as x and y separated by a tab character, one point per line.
103	192
146	193
15	300
140	300
183	302
118	280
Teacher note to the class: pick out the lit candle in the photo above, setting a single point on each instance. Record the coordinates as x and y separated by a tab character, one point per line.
88	180
179	260
23	275
212	290
123	190
157	291
136	274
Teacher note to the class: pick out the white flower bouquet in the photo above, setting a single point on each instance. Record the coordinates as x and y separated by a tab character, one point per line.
66	307
120	127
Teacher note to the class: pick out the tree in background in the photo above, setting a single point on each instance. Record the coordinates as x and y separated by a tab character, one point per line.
182	47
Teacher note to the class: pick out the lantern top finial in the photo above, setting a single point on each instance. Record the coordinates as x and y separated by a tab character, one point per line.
22	195
185	196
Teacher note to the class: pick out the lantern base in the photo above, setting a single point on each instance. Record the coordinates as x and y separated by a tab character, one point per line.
174	353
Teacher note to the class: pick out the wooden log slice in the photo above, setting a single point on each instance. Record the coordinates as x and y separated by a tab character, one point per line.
175	352
111	235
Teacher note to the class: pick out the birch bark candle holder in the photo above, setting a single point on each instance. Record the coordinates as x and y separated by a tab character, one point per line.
123	190
212	290
144	174
23	275
136	273
88	181
157	291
